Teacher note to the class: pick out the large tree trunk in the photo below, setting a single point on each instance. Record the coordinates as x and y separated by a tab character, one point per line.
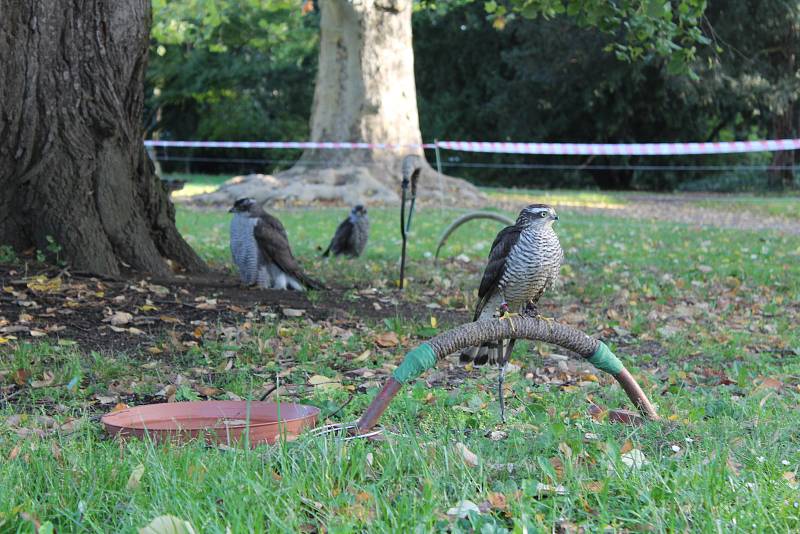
365	92
72	162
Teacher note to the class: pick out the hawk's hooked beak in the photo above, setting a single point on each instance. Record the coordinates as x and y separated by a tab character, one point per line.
555	217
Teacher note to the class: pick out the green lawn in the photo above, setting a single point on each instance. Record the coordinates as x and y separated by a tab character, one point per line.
705	318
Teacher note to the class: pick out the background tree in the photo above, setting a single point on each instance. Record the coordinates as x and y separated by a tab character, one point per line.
365	88
755	59
72	164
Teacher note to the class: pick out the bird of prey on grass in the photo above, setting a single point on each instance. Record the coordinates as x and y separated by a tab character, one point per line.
351	234
261	251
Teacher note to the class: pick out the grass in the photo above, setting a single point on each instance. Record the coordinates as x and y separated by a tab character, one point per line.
778	206
684	307
197	183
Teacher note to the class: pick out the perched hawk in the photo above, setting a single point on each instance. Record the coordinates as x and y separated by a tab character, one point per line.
261	252
351	235
524	261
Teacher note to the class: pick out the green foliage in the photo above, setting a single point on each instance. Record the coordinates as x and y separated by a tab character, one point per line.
231	69
642	28
7	254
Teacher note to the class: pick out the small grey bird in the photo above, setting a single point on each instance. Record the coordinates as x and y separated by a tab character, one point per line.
524	261
261	251
351	234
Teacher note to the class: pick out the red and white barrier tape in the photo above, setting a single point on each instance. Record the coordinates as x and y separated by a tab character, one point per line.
282	144
634	149
577	149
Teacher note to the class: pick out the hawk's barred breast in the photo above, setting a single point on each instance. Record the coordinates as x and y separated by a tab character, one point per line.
532	265
244	248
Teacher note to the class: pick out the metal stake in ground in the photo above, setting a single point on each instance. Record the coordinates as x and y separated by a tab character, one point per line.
411	170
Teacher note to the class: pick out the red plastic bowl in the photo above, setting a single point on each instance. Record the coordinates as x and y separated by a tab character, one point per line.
225	422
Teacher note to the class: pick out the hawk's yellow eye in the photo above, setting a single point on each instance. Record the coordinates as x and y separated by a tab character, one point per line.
543	214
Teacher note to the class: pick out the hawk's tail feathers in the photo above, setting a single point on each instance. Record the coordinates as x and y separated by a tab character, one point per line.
489	352
310	282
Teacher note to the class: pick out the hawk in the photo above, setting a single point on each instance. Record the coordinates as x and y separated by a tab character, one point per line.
351	235
524	261
261	251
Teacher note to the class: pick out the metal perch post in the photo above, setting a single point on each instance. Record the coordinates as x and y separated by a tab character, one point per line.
411	170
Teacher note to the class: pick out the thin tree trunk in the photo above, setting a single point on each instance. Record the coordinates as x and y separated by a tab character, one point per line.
781	175
72	162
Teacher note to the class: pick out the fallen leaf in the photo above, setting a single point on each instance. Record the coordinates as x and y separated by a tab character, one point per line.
733	465
498	501
292	312
770	383
790	479
47	379
469	457
167	524
21	376
37	333
497	435
14	453
547	488
119	318
626	447
323	382
55	450
135	479
364	356
387	339
634	459
463	508
41	284
207	391
594	486
558	466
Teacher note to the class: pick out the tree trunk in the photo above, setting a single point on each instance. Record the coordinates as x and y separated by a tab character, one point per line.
365	92
781	175
72	162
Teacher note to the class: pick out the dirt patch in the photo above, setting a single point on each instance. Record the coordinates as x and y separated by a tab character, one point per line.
130	315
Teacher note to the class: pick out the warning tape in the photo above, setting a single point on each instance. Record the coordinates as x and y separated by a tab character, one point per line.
632	149
576	149
283	144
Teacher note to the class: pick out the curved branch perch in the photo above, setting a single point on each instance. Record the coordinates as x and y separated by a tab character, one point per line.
466	218
479	332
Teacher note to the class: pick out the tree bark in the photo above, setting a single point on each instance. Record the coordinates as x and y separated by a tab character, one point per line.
72	162
781	175
365	92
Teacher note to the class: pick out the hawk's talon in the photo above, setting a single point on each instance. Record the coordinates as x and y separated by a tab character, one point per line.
506	315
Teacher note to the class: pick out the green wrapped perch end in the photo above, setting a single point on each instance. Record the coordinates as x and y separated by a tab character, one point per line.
416	362
605	360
